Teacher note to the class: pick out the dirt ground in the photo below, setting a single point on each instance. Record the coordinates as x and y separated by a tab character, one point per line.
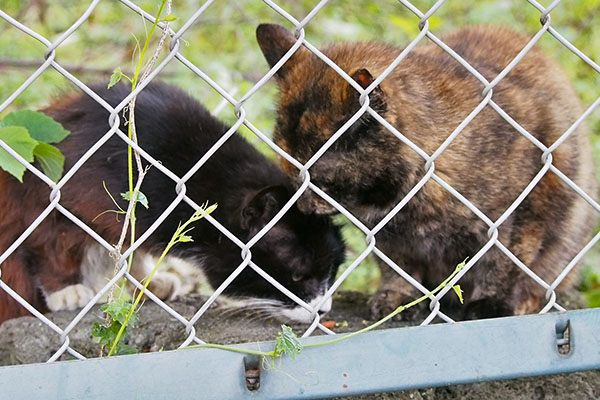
27	340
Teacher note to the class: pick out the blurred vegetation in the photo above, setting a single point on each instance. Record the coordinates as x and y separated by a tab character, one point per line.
221	43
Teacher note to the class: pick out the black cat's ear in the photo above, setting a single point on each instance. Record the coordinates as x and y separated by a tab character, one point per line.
274	41
260	208
377	97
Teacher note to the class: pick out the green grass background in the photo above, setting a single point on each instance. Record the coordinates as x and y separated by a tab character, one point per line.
222	44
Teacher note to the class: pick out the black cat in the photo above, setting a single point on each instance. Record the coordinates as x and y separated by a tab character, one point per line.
301	251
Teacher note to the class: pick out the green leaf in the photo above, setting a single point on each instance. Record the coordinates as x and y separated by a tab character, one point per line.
170	18
124	349
106	335
202	211
141	198
185	238
458	292
593	298
115	77
21	142
100	332
40	126
287	343
118	310
51	160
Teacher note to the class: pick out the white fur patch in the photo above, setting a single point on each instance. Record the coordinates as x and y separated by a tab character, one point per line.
176	277
165	285
69	298
96	267
188	272
300	314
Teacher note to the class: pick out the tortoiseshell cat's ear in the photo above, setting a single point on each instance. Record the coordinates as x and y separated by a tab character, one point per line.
274	41
364	78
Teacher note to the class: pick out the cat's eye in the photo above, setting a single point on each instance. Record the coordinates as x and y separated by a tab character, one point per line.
296	276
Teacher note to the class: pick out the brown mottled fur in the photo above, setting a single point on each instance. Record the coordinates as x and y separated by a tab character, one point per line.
426	97
60	268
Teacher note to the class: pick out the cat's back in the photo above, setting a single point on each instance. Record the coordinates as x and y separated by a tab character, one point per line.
524	83
165	116
489	50
481	46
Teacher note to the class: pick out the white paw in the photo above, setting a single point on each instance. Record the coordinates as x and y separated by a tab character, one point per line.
300	314
165	285
69	298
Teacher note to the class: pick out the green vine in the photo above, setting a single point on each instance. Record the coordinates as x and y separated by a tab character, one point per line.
123	313
115	78
180	236
116	324
288	343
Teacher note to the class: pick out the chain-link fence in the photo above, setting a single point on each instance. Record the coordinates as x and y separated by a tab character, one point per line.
303	169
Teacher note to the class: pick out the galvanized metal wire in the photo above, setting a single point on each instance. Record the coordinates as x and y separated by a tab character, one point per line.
229	97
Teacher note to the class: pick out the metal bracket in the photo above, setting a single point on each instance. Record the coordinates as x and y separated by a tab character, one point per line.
252	372
379	361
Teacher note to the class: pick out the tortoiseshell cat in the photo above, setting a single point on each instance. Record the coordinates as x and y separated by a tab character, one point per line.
369	170
50	268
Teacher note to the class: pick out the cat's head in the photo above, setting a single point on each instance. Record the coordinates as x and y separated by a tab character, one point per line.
315	101
302	252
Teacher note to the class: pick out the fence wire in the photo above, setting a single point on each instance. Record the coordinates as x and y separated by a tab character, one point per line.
429	160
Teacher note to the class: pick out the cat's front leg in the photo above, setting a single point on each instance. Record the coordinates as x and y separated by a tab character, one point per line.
164	285
393	292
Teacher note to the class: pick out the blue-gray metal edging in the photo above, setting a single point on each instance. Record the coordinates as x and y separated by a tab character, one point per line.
379	361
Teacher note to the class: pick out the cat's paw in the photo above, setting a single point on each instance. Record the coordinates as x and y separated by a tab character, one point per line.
69	298
385	301
487	308
165	285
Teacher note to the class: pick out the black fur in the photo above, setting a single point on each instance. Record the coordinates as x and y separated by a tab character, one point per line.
249	189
